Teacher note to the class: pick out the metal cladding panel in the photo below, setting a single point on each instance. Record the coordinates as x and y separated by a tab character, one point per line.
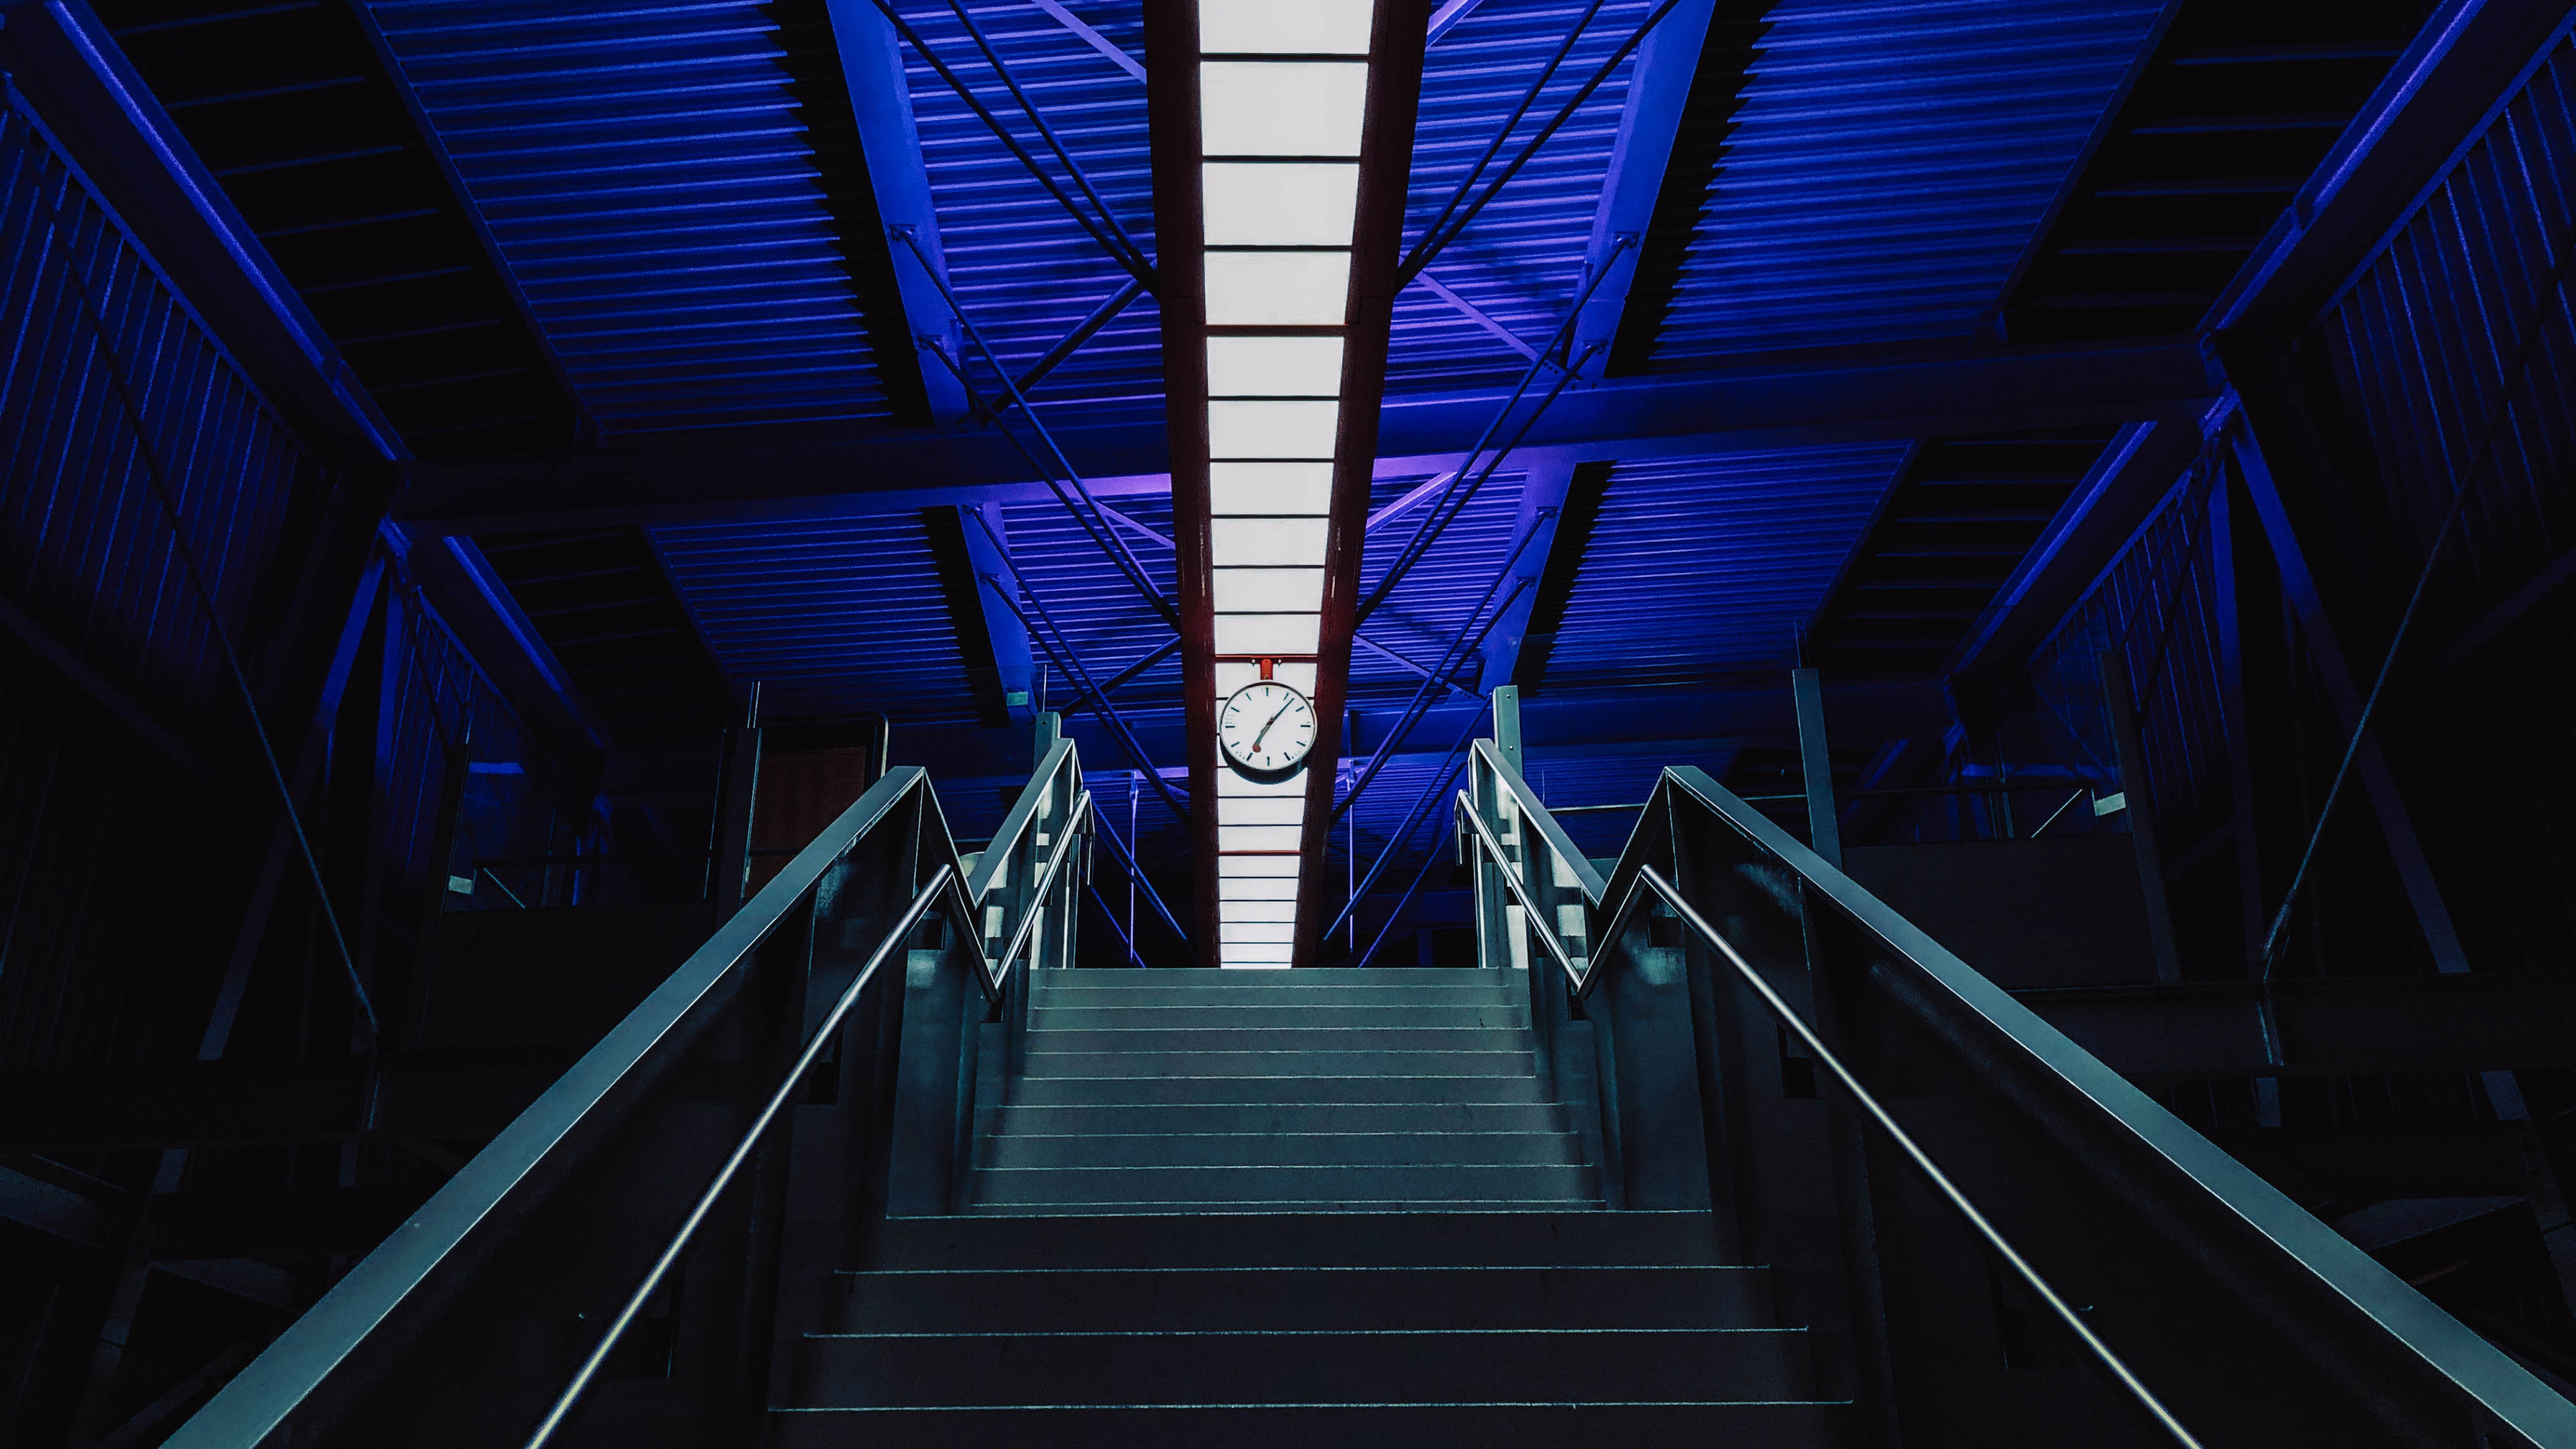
650	177
831	618
1521	261
1105	621
85	545
1026	272
1701	570
92	819
2422	341
2157	604
1888	165
1434	603
2420	347
434	698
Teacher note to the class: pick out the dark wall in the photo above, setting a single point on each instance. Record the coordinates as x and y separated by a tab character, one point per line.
138	815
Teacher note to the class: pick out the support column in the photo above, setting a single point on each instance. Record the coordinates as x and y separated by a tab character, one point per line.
1816	767
736	791
2123	704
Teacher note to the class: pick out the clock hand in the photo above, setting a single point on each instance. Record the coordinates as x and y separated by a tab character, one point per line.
1266	724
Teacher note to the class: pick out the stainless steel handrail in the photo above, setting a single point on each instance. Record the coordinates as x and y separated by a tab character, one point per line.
1580	981
1074	819
1648	878
1022	814
2488	1383
943	882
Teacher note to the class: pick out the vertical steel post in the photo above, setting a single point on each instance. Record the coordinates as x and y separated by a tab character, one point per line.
2122	701
1507	724
737	788
1816	767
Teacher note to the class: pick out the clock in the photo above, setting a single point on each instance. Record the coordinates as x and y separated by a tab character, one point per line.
1265	730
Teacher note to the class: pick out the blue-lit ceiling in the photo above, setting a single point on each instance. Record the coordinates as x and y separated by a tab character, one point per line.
685	203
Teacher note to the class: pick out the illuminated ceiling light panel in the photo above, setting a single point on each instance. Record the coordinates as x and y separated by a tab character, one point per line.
1283	91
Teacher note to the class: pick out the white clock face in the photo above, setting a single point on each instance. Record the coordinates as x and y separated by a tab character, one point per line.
1266	728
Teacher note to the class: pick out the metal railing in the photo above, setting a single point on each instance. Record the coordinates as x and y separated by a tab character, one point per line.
1648	884
598	1140
1915	1014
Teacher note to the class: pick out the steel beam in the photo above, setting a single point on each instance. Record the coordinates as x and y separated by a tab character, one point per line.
840	472
2470	56
991	643
2317	625
1396	42
64	62
1658	95
1570	537
890	139
1544	488
985	538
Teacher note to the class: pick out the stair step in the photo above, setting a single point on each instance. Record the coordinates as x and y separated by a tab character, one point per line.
1161	979
1068	1186
1079	1239
1116	1012
1301	1040
1277	1116
1250	997
1273	1207
1291	1367
1198	1299
1277	1149
1409	1063
1074	1089
1549	1424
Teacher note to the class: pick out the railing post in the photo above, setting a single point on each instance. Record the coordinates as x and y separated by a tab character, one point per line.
1816	766
2122	700
738	785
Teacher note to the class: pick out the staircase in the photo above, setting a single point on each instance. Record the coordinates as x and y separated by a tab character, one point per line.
1285	1091
1310	1207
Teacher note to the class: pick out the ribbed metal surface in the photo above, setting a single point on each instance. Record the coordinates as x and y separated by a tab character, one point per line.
1521	262
652	176
830	618
1106	622
2157	607
1025	270
434	699
2421	347
2422	341
85	546
1437	600
1703	569
1889	163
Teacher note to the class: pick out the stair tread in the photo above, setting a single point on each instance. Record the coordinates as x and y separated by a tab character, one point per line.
1546	1424
1276	1149
1245	1088
1252	1062
1239	1236
1295	1365
1289	1205
1377	1296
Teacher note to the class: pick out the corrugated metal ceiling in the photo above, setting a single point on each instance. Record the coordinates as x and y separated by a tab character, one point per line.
654	177
1026	272
1521	262
1703	570
659	190
1889	164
